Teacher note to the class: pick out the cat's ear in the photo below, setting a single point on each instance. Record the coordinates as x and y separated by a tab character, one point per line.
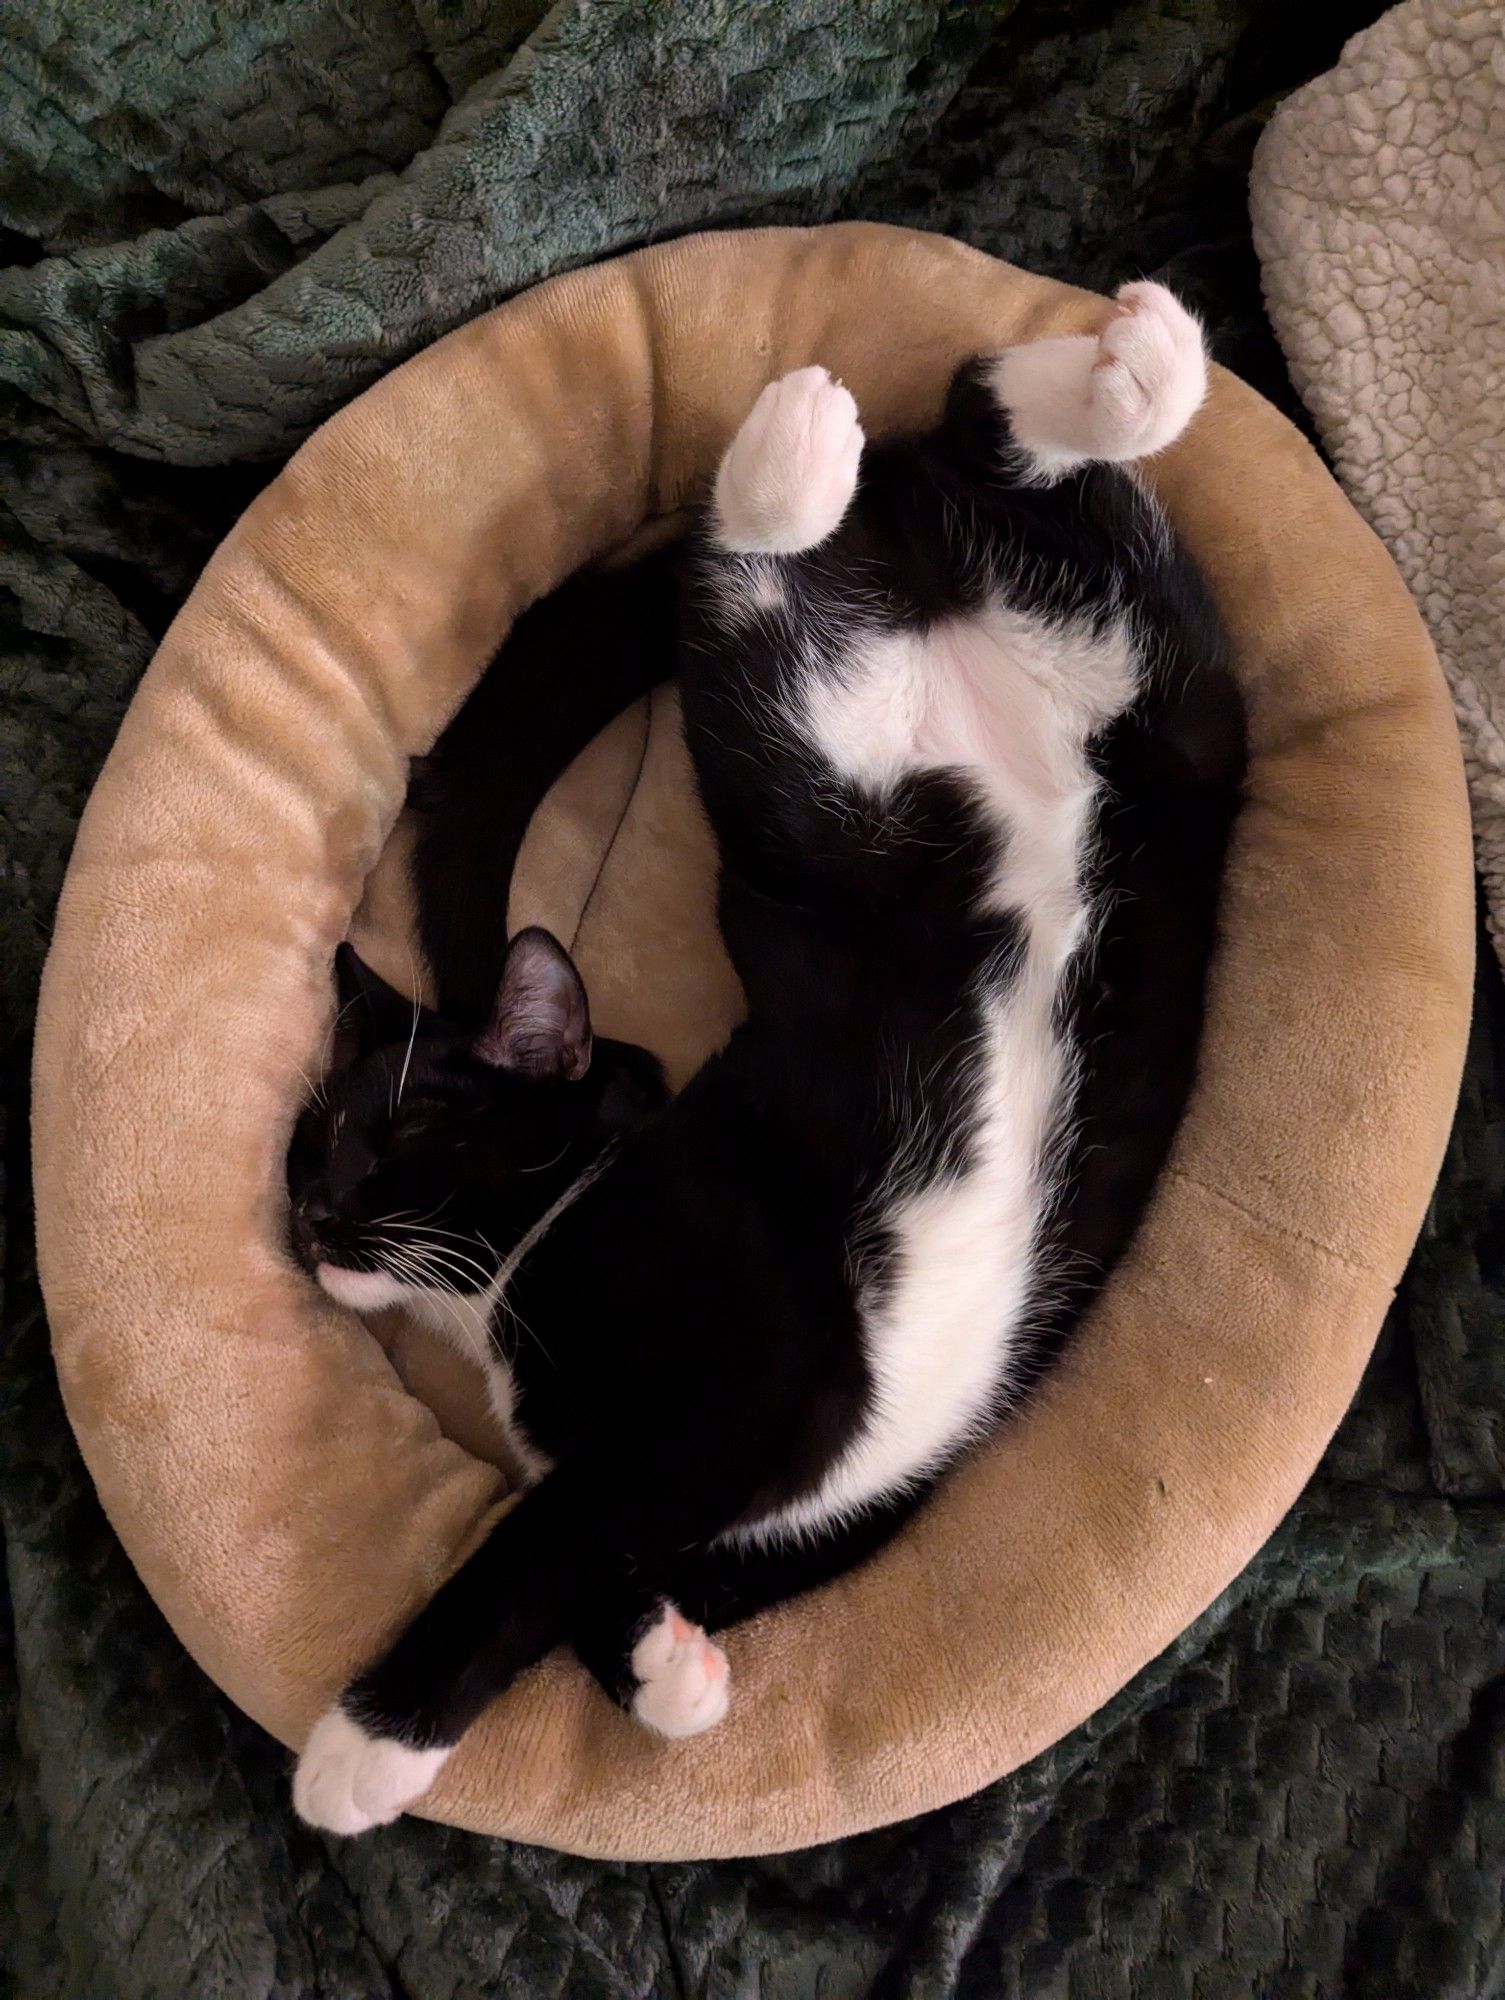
540	1026
374	1012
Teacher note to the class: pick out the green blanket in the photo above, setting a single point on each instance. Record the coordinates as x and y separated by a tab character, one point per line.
218	220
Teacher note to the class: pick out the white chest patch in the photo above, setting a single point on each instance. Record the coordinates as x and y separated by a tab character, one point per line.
1009	705
467	1321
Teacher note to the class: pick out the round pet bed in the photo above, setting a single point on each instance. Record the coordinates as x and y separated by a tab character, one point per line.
286	1498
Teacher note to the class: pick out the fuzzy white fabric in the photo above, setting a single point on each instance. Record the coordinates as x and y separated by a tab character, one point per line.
1378	201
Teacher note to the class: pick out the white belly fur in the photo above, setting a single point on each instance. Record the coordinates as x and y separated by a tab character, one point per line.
1010	704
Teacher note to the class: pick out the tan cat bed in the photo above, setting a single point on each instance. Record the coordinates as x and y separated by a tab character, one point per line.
285	1497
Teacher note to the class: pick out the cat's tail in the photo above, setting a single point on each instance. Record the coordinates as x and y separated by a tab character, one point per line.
571	662
1110	397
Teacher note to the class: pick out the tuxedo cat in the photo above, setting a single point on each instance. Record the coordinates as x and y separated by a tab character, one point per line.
962	720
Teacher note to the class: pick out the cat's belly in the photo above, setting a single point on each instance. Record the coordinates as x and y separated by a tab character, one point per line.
942	1333
1009	702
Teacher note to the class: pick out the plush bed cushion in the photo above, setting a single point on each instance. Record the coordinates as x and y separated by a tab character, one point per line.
285	1497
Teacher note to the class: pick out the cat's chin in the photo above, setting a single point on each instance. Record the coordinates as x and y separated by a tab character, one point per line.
362	1291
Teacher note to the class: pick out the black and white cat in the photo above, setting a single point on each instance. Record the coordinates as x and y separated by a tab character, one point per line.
948	701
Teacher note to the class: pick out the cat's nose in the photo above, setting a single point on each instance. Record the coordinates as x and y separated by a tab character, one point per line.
310	1215
313	1208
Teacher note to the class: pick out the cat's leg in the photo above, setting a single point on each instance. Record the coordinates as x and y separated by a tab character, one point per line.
519	1594
1110	397
650	1650
654	1662
789	474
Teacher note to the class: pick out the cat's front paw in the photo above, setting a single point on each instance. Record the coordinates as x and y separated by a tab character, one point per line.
1150	375
1105	398
349	1780
789	474
683	1682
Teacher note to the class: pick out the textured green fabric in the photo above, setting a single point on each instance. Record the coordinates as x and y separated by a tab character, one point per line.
220	219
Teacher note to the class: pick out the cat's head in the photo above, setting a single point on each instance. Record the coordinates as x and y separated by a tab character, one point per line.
419	1165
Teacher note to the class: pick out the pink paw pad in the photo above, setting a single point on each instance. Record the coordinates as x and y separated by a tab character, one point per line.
683	1681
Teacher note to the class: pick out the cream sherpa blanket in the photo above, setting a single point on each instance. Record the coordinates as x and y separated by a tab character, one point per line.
1378	200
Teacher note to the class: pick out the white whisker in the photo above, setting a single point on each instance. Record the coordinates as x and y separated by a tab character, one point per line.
426	1262
441	1258
408	1057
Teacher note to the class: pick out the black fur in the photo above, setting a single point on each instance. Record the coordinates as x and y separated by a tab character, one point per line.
571	663
685	1336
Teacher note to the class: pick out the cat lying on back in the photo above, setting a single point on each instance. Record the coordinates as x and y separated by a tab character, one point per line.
951	703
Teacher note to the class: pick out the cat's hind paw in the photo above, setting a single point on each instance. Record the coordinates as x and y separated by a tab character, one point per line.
683	1685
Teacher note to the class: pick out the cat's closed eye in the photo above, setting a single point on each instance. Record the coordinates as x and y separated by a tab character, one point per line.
412	1124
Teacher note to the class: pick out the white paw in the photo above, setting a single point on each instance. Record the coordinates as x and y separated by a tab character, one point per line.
1123	394
1150	376
348	1780
789	474
683	1682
